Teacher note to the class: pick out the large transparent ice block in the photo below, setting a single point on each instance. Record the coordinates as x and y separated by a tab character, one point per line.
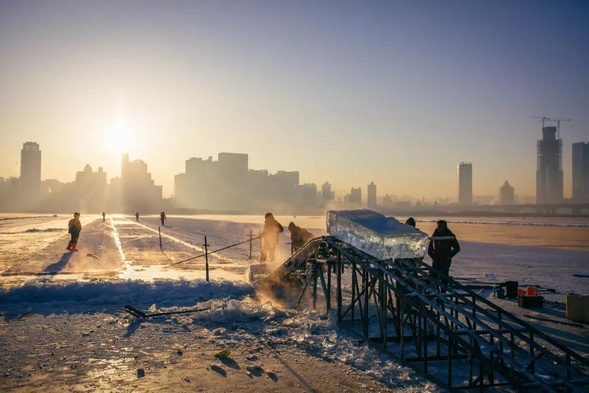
380	236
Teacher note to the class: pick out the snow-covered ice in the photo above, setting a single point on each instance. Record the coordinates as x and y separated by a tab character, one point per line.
61	314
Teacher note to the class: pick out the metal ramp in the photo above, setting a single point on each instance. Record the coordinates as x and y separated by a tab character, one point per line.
428	321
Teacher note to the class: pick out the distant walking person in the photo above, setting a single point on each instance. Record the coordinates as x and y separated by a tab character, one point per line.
442	248
137	217
163	217
103	216
298	236
74	228
270	234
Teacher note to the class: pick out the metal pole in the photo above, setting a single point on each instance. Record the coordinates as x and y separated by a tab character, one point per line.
160	233
259	233
314	284
207	258
251	236
328	286
339	285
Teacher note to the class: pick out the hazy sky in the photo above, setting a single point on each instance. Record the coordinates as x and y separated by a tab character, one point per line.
350	92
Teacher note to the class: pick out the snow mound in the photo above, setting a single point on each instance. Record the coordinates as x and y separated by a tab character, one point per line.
47	297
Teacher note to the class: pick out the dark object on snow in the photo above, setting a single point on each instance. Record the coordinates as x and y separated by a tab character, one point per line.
530	301
140	373
298	236
137	217
140	314
511	289
103	216
162	217
270	233
411	222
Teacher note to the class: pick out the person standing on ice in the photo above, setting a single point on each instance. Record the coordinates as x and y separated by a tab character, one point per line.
442	248
74	228
162	217
272	229
298	236
137	217
103	216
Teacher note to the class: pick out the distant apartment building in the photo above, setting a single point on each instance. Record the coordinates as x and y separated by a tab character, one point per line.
306	195
371	196
549	177
387	201
354	198
30	170
326	194
506	194
465	183
229	185
88	181
135	190
581	172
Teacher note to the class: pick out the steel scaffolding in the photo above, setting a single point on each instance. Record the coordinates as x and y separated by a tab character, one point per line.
428	321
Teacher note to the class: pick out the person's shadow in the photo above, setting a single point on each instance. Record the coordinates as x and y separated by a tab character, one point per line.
58	266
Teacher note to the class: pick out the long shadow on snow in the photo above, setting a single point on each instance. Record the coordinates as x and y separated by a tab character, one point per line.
58	266
46	298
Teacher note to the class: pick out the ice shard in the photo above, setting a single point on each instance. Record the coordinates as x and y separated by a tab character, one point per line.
380	236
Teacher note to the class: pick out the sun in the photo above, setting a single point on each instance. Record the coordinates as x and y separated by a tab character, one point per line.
120	137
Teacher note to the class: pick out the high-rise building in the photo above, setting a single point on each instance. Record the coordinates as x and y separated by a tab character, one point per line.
136	187
356	196
465	183
581	172
326	194
30	170
506	194
91	189
549	184
371	196
306	195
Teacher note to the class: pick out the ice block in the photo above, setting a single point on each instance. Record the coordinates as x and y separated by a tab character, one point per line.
380	236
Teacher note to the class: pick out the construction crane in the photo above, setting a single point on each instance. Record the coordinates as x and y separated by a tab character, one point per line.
544	119
558	125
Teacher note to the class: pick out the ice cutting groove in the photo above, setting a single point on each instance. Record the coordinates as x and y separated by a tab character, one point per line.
117	239
175	239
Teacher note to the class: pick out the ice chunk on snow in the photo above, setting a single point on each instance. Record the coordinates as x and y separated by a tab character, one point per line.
380	236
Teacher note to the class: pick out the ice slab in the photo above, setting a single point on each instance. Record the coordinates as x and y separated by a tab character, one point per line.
380	236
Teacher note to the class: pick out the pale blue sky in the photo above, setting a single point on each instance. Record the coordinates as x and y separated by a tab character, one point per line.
351	92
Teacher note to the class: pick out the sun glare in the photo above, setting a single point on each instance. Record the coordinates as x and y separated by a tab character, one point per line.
120	137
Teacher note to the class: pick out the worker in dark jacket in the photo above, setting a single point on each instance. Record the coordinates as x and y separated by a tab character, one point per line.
270	233
74	229
298	236
443	247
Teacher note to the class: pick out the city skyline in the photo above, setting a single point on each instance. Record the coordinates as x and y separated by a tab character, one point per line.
296	93
205	184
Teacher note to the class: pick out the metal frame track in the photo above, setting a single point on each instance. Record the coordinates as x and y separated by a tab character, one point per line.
430	322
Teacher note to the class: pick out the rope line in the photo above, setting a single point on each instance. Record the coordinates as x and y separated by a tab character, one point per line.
210	252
